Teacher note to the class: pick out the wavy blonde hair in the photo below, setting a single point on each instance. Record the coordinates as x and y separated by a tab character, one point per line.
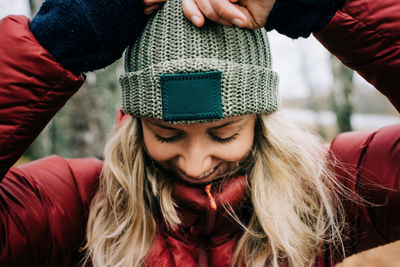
296	209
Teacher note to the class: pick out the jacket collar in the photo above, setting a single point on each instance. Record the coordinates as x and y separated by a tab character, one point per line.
202	212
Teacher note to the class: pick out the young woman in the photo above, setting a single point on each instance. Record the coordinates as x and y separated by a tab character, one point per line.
212	177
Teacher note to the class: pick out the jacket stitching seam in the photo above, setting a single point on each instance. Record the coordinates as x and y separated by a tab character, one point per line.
33	105
373	29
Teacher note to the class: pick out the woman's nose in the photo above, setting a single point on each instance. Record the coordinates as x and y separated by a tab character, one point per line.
195	160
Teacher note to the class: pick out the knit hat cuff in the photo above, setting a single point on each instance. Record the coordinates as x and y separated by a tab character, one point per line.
142	97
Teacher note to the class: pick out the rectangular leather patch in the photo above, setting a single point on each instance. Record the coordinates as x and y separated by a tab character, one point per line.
191	96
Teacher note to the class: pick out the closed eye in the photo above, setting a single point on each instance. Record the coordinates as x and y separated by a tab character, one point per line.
224	140
167	139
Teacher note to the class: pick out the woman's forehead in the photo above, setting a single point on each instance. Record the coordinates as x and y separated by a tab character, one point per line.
218	124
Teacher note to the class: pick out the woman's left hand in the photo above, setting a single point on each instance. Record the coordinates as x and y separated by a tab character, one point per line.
251	14
151	5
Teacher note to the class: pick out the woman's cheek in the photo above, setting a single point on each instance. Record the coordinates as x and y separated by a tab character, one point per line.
236	152
159	152
244	146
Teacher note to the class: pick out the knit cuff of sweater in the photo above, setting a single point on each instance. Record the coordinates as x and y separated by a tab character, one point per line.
85	35
300	18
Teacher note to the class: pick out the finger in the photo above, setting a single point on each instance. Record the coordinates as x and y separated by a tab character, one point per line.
224	22
150	9
192	12
229	12
251	23
151	2
207	10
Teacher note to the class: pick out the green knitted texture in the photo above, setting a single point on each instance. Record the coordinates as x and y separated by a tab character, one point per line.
170	44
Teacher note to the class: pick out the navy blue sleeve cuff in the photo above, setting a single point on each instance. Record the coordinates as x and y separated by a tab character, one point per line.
85	35
300	18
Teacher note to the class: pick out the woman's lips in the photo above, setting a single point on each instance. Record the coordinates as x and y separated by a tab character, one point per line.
205	177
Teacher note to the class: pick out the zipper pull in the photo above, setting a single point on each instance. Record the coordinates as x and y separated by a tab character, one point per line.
210	197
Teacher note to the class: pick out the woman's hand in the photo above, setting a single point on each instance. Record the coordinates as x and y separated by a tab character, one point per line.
151	5
251	14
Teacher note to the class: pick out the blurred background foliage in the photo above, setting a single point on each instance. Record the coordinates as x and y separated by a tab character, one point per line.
81	128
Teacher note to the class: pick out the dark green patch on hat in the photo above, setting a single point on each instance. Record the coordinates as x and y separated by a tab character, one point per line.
191	96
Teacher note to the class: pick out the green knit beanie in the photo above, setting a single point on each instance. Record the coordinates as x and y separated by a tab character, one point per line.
179	73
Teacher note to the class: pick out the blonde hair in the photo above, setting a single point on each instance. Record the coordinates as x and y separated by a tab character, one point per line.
295	198
295	202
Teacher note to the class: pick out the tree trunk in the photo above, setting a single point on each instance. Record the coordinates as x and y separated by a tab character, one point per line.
341	93
35	4
312	101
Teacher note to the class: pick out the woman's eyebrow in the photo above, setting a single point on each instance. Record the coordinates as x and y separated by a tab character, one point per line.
225	124
163	126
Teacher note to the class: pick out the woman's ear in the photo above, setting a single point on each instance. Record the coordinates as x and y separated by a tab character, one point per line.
121	117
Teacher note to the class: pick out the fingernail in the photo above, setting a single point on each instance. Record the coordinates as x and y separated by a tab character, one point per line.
238	22
196	20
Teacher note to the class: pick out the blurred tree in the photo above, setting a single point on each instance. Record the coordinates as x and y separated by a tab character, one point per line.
341	92
34	4
81	127
313	103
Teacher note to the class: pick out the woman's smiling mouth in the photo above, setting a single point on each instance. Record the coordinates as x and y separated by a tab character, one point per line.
205	177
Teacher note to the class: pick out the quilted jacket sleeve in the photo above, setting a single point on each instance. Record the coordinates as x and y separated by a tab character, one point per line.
369	165
43	211
33	87
43	205
365	35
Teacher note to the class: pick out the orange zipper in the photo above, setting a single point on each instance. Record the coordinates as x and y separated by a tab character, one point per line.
210	197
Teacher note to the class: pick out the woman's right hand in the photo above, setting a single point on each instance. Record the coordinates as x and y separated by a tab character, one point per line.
251	14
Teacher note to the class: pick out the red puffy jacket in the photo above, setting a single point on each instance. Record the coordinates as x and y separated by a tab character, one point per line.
44	204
